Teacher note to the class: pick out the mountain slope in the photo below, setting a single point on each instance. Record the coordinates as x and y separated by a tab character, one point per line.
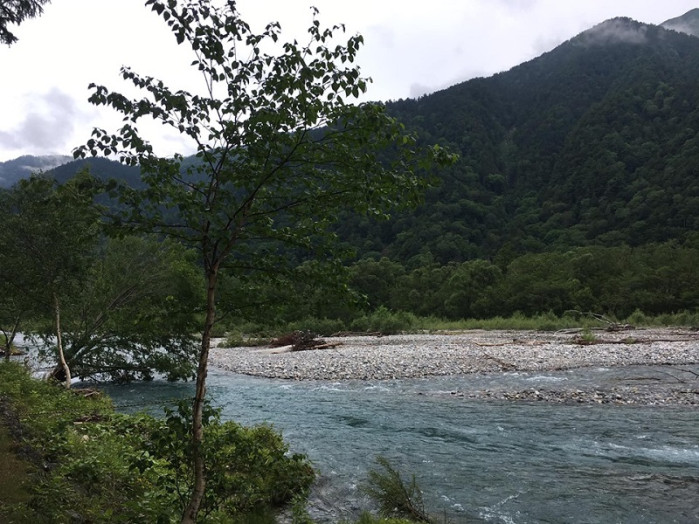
594	142
21	167
101	168
687	23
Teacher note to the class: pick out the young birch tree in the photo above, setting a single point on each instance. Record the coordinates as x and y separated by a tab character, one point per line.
280	153
50	233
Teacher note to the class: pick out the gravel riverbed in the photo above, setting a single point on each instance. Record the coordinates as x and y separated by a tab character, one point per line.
673	352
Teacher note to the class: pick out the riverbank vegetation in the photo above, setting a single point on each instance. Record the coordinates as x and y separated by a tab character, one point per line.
122	307
616	281
384	322
84	462
651	285
67	456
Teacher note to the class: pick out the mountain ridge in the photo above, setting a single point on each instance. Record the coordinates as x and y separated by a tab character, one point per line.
687	23
21	167
613	122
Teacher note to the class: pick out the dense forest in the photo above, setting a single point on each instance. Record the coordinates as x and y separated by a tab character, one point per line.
593	143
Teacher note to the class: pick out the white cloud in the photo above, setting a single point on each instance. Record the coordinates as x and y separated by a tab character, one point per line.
48	121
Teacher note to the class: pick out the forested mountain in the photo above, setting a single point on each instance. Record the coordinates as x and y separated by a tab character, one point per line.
21	167
102	168
687	23
593	143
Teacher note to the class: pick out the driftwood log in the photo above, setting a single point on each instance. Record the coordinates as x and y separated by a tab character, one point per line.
302	341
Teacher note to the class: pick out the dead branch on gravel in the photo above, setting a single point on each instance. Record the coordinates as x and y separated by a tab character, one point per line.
302	341
611	324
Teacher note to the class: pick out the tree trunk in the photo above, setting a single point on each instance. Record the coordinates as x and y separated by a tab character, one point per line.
10	339
59	341
190	513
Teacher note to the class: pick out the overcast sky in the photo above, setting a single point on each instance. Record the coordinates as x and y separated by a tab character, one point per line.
411	48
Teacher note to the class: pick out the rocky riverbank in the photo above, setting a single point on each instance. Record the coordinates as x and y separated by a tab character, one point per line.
673	352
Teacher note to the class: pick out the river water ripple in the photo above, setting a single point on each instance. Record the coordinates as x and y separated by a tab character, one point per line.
477	461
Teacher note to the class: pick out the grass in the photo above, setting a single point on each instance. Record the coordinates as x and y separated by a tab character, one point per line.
542	322
390	322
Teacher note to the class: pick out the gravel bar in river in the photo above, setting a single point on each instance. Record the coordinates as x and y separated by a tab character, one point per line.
462	353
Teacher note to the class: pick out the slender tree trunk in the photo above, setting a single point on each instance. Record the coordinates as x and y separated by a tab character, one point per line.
10	339
190	513
59	340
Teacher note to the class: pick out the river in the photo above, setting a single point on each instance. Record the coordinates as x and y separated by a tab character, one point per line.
477	461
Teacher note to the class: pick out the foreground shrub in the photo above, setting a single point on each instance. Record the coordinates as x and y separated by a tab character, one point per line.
248	469
108	467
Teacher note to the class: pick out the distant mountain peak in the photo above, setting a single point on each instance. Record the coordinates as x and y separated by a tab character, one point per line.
687	23
615	30
31	163
23	166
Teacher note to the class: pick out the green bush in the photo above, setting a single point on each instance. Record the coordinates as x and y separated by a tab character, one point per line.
323	327
237	339
681	318
108	467
249	470
638	318
384	321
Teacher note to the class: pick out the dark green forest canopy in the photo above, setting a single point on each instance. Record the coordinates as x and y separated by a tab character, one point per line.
592	143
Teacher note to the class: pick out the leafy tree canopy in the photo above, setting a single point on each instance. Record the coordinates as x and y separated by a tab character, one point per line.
51	233
14	12
121	308
281	153
135	314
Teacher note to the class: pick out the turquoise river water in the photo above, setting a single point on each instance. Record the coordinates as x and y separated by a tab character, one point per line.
477	461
